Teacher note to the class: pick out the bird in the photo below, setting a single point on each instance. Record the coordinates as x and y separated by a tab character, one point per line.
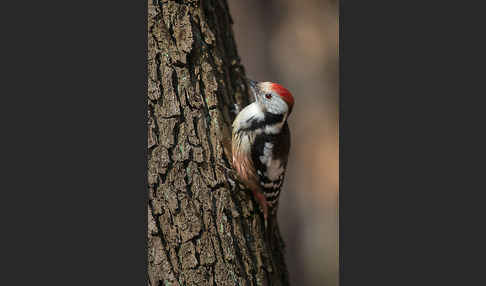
261	143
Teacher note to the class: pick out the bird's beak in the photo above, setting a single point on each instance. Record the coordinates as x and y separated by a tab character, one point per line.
253	87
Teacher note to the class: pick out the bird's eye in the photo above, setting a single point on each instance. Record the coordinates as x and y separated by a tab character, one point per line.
268	96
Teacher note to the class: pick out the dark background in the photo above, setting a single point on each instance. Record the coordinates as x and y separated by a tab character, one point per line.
295	43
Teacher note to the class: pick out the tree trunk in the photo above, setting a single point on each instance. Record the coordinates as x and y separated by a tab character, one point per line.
203	228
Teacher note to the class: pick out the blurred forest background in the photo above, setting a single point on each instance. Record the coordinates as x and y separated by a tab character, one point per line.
295	43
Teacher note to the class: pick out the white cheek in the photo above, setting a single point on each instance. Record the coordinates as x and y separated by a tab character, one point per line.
255	110
276	106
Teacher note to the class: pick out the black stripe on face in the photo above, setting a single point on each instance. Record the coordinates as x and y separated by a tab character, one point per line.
273	118
269	119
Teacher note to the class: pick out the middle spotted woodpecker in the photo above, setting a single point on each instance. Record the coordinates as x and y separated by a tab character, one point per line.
261	143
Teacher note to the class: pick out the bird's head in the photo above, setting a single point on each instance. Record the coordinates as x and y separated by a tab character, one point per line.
272	97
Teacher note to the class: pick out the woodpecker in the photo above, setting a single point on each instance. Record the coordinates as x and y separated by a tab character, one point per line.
261	143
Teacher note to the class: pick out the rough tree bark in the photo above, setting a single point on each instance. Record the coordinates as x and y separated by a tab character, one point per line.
203	229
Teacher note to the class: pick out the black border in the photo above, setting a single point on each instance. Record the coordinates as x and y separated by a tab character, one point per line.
74	180
408	214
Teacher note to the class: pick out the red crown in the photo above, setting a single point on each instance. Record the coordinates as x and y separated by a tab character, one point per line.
284	94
